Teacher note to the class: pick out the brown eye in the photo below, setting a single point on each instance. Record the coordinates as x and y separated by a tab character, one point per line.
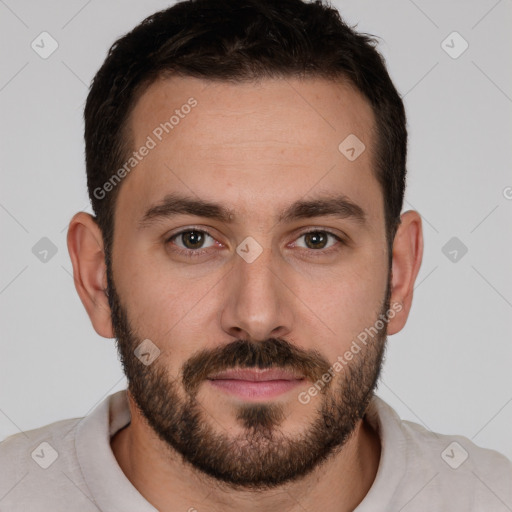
192	239
317	240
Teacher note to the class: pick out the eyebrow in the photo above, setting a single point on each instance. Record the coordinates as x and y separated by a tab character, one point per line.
174	204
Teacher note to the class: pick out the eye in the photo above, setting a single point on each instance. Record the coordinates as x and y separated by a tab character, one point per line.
318	240
191	240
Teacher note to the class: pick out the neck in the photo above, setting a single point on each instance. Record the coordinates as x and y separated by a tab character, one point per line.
172	485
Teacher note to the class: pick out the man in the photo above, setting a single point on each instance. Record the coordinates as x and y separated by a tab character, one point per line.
246	166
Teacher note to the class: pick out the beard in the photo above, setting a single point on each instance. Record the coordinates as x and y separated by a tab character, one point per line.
262	456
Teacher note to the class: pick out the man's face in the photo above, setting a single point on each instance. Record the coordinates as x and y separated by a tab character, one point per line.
245	326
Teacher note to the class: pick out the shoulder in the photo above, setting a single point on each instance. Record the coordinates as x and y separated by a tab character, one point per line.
37	464
19	449
455	451
446	469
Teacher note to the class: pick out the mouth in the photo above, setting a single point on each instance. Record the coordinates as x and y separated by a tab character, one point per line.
256	384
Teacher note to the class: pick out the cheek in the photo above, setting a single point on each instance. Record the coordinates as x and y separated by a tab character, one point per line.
349	301
165	307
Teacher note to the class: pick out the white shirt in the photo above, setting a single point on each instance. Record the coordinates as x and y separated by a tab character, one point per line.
75	469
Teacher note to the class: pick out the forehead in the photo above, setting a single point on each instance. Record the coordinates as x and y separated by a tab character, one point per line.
251	144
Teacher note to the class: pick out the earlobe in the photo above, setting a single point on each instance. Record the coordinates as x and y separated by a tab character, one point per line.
407	256
85	246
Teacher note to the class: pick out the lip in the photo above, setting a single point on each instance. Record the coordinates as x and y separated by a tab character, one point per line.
256	384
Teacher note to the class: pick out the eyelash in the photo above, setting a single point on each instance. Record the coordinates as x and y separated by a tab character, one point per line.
191	253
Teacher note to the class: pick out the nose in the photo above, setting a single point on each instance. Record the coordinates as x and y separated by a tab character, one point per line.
258	302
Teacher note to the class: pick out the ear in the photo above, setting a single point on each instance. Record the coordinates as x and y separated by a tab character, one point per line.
85	246
407	256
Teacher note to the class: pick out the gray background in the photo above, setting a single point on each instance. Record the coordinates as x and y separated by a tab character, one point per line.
449	369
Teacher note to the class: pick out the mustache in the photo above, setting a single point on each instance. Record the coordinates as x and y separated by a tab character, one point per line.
271	353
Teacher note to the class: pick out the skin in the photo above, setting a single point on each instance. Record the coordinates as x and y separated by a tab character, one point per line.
255	148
